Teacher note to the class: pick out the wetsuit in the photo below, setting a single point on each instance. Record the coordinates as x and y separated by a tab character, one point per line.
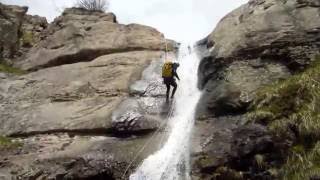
170	81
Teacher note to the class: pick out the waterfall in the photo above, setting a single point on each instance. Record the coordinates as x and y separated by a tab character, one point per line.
172	160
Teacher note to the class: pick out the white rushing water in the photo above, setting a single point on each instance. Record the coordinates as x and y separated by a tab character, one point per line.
172	161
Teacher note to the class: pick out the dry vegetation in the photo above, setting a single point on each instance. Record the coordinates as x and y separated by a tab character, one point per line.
93	5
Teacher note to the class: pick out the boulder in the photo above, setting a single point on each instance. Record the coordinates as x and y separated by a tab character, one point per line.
225	142
81	35
230	89
251	139
258	43
32	30
212	143
73	97
280	29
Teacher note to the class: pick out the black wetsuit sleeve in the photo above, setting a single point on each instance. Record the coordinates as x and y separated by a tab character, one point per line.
175	74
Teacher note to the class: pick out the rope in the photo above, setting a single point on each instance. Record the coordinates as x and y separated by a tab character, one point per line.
166	52
167	127
148	142
158	130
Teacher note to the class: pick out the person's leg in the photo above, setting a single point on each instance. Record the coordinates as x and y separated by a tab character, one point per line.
174	84
168	91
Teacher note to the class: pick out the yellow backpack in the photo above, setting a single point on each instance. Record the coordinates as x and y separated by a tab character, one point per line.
167	69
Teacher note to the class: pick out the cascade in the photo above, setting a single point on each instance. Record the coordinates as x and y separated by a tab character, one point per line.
172	160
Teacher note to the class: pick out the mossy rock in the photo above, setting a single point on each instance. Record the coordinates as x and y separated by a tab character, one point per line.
27	39
4	67
206	162
7	143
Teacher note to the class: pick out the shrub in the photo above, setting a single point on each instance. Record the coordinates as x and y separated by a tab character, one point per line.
8	143
27	39
93	5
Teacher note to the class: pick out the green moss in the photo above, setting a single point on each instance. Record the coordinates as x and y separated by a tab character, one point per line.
9	69
27	39
8	143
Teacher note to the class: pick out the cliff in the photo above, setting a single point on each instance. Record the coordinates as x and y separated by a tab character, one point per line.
256	47
74	111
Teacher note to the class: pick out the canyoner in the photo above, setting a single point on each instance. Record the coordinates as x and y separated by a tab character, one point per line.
169	73
172	161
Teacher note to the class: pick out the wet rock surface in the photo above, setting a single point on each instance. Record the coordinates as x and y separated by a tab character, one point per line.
226	143
63	156
146	109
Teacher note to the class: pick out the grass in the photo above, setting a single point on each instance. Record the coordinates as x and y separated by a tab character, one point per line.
289	107
9	69
292	104
8	143
27	39
302	164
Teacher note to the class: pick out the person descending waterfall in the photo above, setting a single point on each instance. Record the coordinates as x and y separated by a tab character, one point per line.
172	160
189	48
169	73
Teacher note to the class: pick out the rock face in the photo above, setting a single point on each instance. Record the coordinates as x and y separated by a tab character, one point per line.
259	43
71	97
89	106
19	31
32	28
141	112
264	27
79	35
11	18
